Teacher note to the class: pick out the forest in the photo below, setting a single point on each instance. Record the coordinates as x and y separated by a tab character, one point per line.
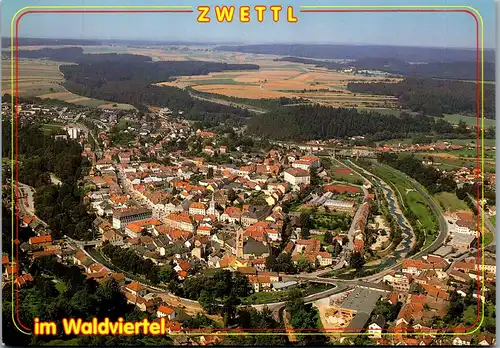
461	70
305	122
39	154
76	55
432	97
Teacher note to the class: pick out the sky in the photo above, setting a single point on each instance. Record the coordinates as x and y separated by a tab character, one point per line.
399	29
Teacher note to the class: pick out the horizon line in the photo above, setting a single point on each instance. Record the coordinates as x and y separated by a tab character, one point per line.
233	43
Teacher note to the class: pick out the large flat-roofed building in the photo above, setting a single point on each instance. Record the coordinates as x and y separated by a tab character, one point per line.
359	301
122	217
347	206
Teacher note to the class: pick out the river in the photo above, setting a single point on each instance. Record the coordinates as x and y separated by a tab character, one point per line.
406	233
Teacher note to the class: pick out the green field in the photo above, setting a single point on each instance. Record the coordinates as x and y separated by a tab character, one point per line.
469	119
61	286
488	238
489	165
320	237
450	202
49	127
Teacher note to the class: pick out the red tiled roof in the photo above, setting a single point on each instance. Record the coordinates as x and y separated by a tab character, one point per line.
297	172
165	309
135	286
40	239
197	205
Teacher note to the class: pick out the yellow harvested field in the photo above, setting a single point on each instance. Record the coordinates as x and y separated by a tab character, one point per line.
318	84
59	95
76	100
250	92
42	78
274	79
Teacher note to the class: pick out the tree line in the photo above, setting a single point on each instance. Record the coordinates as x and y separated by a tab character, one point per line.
432	97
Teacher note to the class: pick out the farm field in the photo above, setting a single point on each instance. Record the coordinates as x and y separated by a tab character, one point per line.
318	85
469	119
450	202
274	79
42	78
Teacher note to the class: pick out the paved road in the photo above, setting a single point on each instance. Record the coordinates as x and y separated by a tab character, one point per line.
28	207
487	221
97	150
352	229
134	194
228	103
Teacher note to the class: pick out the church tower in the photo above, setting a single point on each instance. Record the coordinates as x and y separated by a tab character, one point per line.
239	242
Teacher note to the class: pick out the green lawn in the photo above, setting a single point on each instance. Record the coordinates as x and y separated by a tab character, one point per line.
450	202
320	237
488	238
61	286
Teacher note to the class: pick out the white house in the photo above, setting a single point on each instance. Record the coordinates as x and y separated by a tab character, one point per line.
197	208
376	326
465	227
165	311
297	176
